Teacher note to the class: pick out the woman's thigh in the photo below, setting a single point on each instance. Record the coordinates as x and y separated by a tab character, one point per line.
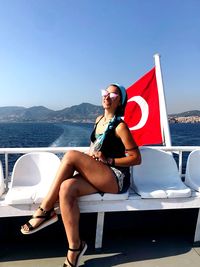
95	172
77	186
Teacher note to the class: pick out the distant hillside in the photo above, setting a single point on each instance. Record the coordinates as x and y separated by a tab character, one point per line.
11	113
84	112
37	113
187	114
192	116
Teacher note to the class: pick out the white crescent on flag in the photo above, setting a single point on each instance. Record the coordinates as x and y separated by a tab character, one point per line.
144	111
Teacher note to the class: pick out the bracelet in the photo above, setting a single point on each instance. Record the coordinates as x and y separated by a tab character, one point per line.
132	148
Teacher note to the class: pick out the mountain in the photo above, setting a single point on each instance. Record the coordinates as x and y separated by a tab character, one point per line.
187	114
84	112
11	113
192	116
37	113
7	111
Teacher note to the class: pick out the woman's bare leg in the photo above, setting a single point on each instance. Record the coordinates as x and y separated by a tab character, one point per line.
90	169
64	171
70	190
96	173
93	176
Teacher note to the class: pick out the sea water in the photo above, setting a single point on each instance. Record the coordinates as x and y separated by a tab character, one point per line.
185	134
74	134
42	135
77	134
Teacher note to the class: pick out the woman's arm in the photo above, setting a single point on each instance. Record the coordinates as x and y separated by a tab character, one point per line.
90	151
133	154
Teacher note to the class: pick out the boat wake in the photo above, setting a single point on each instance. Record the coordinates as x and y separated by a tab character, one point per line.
74	135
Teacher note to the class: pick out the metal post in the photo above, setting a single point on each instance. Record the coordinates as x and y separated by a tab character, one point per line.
197	230
180	163
6	170
99	230
163	108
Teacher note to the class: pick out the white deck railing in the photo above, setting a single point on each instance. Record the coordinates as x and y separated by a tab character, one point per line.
57	150
10	151
133	203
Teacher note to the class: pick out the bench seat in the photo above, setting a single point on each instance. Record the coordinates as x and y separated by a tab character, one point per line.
134	202
24	196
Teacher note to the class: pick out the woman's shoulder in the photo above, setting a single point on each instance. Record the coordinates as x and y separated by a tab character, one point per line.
121	126
98	118
121	123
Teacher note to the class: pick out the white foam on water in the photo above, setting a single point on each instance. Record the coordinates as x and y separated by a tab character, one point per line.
73	135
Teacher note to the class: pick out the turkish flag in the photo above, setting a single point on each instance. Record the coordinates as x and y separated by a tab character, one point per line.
142	113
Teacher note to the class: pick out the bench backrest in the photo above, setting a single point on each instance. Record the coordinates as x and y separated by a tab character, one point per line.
158	176
2	184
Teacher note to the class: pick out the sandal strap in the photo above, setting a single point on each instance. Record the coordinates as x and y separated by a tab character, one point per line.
45	211
72	265
41	216
29	225
46	215
76	249
80	249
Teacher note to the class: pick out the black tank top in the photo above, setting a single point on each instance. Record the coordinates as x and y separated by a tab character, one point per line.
113	147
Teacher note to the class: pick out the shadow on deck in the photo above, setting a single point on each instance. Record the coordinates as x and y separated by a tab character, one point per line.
138	239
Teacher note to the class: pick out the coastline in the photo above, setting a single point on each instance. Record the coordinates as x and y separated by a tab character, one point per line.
83	113
171	119
184	119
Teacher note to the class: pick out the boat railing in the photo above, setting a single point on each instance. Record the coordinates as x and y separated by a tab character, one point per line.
14	151
177	150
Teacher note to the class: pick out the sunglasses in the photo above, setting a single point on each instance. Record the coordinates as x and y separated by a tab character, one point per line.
112	96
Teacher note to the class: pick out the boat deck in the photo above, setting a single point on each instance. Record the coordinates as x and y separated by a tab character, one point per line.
134	252
131	245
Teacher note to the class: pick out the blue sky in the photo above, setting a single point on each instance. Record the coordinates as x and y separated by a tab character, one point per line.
61	53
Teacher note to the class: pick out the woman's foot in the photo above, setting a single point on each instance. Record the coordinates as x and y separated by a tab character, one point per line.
74	255
39	220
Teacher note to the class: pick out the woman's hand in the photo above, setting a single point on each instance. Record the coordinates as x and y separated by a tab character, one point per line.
98	155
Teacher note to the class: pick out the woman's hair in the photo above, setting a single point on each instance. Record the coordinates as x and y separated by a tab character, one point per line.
123	96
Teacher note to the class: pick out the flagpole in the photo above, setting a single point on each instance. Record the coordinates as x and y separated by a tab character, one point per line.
163	108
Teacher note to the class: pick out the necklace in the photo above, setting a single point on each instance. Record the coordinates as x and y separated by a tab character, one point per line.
105	122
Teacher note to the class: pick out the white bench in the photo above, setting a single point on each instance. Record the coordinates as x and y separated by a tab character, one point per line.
129	201
133	203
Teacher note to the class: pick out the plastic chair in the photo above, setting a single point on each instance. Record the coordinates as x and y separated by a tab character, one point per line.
192	175
2	184
105	196
31	178
157	176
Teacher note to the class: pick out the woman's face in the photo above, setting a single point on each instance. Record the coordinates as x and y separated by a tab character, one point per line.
111	98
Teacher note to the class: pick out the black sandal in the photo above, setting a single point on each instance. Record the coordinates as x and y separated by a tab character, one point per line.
48	220
81	249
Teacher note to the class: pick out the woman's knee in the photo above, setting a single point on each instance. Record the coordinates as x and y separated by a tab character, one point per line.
71	156
68	189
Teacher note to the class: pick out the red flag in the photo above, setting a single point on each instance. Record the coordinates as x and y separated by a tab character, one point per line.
142	113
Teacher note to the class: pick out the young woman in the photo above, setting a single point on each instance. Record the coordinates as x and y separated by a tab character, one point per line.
104	169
